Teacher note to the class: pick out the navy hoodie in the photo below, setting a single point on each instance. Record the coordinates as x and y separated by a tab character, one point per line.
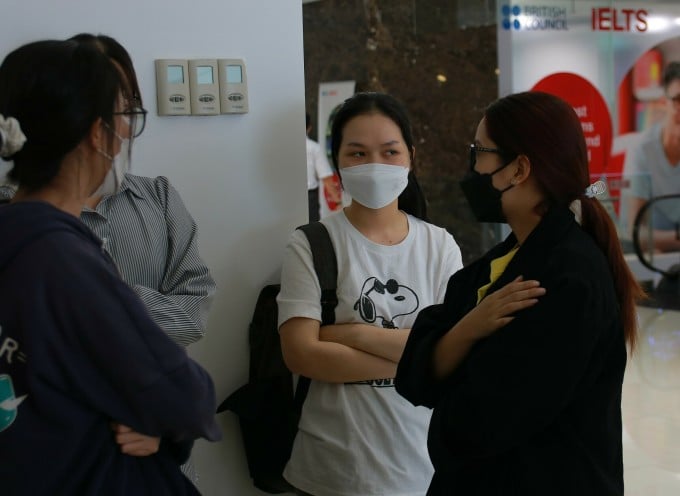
77	352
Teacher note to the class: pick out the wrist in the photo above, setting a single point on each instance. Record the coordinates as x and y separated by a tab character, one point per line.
463	333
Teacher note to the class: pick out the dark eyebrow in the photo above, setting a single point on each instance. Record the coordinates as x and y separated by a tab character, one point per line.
361	145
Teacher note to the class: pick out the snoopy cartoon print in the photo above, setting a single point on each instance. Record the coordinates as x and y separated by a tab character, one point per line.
376	295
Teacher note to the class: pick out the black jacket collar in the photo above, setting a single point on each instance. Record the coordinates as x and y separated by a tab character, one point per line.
549	232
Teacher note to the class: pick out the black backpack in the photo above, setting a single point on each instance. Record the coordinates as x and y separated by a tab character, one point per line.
267	407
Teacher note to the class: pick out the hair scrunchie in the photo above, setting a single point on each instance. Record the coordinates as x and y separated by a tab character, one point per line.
597	188
12	139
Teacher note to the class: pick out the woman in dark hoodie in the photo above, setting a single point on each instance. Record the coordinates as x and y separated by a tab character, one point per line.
78	350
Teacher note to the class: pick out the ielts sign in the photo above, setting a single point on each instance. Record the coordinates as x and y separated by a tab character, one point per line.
611	19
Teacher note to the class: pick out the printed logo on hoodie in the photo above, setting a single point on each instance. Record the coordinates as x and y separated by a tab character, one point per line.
8	402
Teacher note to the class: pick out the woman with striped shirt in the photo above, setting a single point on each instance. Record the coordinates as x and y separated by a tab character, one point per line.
152	238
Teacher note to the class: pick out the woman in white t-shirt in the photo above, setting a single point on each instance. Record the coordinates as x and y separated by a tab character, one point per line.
357	436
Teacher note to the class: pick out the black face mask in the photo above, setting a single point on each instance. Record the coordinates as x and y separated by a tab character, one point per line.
483	198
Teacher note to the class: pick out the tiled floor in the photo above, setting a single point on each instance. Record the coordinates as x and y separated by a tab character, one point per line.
651	408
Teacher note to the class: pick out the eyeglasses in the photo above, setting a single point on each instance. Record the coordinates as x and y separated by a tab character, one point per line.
135	118
476	148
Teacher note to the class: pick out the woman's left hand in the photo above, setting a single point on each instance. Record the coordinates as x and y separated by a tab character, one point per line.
133	443
496	310
491	314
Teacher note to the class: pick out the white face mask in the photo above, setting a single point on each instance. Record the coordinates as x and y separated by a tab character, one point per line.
120	165
374	185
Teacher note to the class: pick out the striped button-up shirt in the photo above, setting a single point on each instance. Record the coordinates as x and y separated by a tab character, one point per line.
152	238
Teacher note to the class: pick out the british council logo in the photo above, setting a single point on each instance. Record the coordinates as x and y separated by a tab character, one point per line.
510	14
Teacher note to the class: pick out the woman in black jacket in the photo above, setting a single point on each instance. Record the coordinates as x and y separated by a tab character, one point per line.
523	363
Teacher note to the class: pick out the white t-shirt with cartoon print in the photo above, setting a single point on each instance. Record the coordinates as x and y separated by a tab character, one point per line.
363	438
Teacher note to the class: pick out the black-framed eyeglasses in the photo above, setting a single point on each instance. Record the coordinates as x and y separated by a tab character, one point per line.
474	148
136	119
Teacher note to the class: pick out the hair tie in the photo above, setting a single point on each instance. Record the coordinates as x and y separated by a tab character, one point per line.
11	137
597	188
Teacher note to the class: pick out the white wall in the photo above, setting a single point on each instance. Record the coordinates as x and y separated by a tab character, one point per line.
241	176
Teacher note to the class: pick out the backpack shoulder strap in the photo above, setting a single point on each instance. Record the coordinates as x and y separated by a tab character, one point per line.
326	266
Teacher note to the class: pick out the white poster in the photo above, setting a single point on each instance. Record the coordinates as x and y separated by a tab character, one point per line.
607	60
331	95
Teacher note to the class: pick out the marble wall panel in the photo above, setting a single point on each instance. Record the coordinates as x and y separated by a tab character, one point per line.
401	47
